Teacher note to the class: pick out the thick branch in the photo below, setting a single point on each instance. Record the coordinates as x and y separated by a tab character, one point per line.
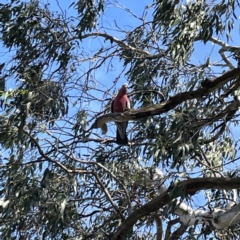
208	86
191	186
231	216
218	218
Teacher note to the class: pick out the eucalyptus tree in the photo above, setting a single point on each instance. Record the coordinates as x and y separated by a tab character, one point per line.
62	174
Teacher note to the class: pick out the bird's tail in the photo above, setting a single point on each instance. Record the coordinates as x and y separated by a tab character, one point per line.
120	140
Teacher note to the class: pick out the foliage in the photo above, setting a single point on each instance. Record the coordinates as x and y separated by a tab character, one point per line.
60	179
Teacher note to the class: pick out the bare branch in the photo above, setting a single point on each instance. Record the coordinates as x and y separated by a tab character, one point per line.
224	48
224	45
121	44
52	160
225	59
108	196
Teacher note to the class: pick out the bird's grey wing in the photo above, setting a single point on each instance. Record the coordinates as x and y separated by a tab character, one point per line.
121	126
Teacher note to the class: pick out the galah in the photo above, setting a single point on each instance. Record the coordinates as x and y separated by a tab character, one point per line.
120	104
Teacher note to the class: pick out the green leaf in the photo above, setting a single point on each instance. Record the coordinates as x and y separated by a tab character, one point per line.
177	191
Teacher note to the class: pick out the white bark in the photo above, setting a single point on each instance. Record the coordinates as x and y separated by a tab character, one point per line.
228	217
189	217
218	218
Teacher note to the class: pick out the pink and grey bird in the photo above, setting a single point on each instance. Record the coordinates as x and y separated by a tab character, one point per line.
120	104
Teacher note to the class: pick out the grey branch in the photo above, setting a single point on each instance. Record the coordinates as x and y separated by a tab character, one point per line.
191	186
223	45
208	86
225	48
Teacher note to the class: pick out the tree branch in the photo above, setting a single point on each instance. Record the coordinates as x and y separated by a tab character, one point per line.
169	226
52	160
208	86
191	186
121	44
179	232
224	45
225	48
159	226
108	196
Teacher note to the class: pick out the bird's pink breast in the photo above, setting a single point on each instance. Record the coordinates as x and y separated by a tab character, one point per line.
120	103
